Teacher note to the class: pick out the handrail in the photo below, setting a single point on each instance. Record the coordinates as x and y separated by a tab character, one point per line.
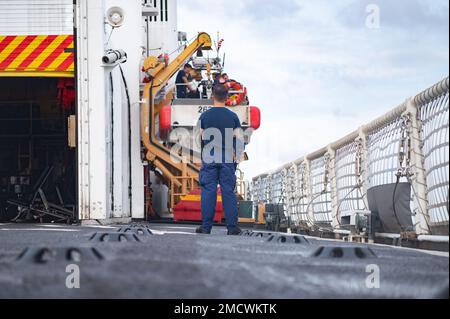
411	140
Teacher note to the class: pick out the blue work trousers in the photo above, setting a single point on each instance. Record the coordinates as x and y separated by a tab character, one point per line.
224	175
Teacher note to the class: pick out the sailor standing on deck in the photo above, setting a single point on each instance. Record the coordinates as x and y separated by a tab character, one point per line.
182	82
222	145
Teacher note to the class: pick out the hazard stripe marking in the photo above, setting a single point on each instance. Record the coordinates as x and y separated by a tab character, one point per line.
21	47
36	54
55	54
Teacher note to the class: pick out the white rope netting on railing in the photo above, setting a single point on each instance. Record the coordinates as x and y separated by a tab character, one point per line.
409	144
349	188
383	149
320	191
298	199
434	116
277	195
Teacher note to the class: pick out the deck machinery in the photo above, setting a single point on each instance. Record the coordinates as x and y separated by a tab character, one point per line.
81	64
168	125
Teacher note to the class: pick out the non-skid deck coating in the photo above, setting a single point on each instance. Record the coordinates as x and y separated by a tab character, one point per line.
176	263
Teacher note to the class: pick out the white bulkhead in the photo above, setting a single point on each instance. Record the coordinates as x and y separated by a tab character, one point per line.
37	17
105	161
162	29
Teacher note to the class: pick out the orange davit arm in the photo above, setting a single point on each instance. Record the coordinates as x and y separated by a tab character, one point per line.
159	76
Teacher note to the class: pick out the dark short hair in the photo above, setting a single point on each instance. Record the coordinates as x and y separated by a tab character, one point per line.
187	65
220	93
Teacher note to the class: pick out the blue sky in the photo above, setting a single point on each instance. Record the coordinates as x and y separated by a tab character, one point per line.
314	67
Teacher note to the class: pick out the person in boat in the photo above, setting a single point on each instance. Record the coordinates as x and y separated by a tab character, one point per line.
182	82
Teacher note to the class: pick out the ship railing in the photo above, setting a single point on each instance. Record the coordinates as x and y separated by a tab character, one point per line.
409	144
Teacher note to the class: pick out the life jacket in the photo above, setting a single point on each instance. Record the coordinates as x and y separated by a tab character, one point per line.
236	98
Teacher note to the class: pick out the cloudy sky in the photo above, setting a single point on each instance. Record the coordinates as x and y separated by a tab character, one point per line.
317	69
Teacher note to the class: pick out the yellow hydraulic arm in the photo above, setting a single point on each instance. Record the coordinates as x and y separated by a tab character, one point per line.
178	172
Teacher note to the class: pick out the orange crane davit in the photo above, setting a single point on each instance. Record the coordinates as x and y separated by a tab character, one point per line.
162	112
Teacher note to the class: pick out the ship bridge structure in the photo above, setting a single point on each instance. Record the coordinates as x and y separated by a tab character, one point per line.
392	173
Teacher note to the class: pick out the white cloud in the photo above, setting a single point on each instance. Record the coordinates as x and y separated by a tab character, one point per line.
314	76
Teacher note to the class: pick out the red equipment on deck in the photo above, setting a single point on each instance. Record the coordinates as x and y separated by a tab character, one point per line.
189	208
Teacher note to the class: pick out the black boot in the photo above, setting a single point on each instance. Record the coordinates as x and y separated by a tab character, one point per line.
235	232
201	230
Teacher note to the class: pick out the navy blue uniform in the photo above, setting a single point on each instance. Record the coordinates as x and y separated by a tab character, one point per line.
218	169
181	89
